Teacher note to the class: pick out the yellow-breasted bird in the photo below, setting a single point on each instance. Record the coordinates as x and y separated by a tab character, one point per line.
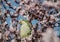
25	29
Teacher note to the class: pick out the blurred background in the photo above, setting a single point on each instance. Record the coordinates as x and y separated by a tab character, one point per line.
4	7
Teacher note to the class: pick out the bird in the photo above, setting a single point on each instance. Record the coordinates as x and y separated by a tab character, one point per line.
25	29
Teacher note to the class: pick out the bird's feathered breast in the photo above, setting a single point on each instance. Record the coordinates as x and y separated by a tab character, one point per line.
25	29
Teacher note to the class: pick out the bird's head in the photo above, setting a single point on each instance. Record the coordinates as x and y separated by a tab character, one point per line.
25	22
22	22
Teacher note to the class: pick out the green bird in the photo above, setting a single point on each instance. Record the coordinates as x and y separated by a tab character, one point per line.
25	29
